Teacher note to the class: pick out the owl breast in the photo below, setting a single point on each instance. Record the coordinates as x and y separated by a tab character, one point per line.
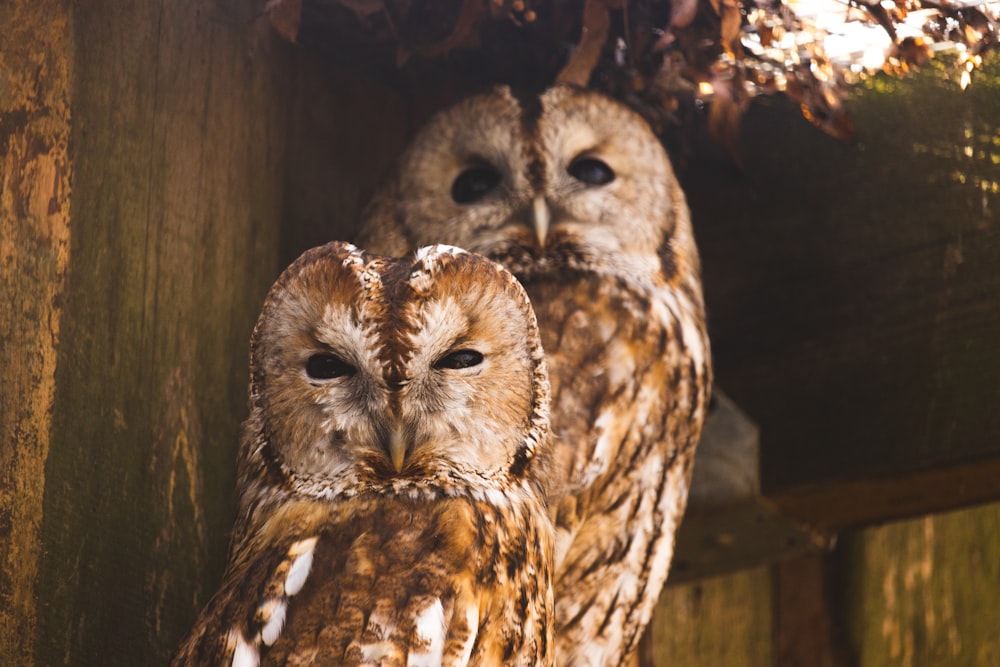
393	580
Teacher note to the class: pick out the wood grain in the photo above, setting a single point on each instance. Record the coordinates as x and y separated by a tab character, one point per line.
718	621
35	180
178	148
923	592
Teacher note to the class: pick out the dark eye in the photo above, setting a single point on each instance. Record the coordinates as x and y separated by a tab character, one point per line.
327	367
591	171
474	183
459	359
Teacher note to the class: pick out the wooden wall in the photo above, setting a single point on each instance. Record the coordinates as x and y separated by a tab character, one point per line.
159	164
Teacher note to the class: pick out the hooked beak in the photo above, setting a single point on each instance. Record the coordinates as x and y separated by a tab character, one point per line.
540	217
397	449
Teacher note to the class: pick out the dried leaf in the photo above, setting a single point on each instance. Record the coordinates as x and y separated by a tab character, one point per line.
682	12
732	22
725	112
285	16
913	51
593	36
468	17
880	14
363	8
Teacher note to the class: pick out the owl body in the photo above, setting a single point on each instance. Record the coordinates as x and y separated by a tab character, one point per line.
574	194
391	504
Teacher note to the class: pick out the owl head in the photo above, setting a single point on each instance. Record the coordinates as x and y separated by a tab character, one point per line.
403	375
566	179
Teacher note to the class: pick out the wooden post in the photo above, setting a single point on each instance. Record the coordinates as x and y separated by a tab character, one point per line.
35	182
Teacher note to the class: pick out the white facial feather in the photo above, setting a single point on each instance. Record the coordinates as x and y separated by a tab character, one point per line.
440	323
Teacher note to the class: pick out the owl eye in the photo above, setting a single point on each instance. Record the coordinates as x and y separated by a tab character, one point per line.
591	171
474	183
327	367
459	359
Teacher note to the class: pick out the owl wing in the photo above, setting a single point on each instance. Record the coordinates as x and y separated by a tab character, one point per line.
625	391
248	612
308	589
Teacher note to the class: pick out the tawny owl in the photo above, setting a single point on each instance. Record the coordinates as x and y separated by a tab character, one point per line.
574	194
391	505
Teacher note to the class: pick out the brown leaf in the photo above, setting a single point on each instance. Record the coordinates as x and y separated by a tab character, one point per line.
285	16
725	112
732	21
913	51
593	35
880	14
465	24
682	12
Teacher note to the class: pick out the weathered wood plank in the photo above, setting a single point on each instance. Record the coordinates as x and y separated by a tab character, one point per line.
178	147
809	602
35	179
923	592
718	621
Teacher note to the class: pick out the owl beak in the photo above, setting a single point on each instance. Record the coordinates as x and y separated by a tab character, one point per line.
541	217
397	449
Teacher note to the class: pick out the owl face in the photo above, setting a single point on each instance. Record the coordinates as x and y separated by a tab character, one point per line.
388	373
567	177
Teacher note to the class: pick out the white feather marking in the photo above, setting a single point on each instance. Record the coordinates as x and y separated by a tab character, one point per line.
340	329
472	618
693	341
599	458
374	653
380	626
440	322
245	655
272	629
430	628
496	497
297	573
438	249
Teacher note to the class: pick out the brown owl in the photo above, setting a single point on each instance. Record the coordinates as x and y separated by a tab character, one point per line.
572	192
392	511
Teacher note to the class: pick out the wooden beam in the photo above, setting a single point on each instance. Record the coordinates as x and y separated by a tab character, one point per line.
838	504
808	609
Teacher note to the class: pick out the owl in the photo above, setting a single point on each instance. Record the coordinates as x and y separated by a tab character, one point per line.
390	472
574	194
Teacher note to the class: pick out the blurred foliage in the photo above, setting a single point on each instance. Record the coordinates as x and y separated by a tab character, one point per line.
673	60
